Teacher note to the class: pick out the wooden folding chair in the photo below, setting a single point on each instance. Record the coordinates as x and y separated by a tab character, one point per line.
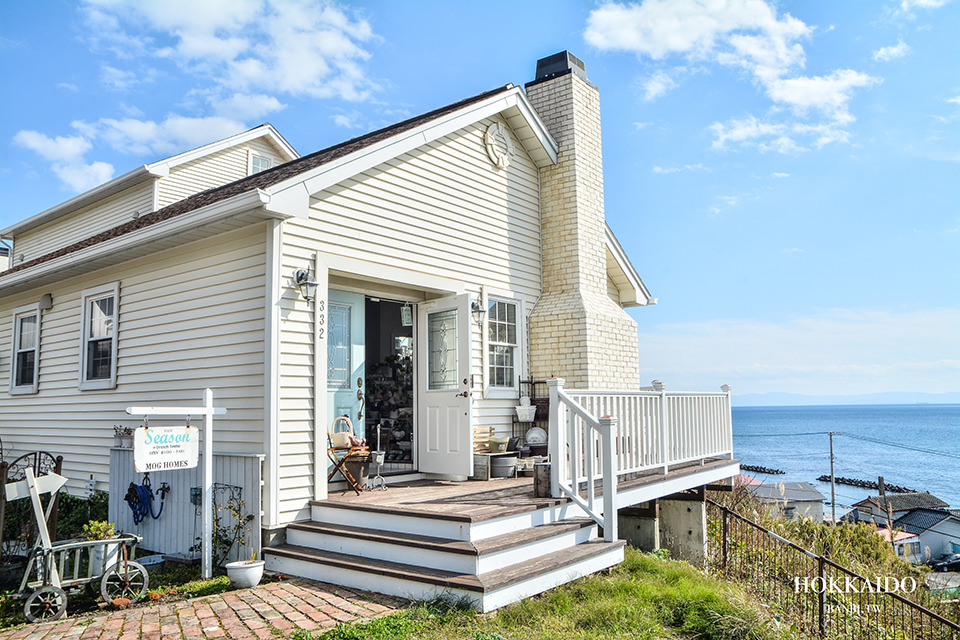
340	450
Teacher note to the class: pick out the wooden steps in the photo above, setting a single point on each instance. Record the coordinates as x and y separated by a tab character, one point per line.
490	556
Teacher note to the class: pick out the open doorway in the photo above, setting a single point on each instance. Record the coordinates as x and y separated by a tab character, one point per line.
389	400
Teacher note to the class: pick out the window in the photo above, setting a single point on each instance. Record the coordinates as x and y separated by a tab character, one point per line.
503	339
338	347
259	163
98	343
26	348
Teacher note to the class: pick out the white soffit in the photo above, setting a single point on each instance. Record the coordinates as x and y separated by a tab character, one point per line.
633	293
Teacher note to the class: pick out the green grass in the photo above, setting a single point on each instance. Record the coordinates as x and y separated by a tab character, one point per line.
645	597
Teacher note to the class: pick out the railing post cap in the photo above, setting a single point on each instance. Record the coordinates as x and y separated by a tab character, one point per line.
555	382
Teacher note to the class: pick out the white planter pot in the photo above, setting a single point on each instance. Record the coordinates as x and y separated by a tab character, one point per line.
526	413
244	574
105	556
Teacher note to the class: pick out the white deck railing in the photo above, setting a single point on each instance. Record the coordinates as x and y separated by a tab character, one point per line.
602	436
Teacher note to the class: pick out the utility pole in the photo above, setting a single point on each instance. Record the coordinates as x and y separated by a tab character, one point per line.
833	493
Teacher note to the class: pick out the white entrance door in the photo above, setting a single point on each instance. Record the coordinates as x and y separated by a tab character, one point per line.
445	408
346	358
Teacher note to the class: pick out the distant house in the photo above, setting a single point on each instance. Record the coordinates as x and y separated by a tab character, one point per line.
906	544
876	507
937	533
790	499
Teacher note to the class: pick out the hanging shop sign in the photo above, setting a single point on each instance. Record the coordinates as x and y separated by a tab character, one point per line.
165	448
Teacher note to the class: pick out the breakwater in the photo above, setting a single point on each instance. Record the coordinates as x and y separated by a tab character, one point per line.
866	484
767	470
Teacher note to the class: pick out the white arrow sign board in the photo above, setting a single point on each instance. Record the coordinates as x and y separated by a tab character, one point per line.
165	448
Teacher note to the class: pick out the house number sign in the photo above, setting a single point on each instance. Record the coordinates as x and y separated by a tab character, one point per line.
165	448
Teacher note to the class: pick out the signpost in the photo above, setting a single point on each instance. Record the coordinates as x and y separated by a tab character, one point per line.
174	447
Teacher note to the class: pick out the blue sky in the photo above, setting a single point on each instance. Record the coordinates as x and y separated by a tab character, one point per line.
785	176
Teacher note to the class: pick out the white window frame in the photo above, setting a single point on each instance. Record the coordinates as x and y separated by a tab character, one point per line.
89	295
18	313
260	156
492	390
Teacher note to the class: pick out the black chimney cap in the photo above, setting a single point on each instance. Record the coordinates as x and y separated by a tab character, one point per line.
559	64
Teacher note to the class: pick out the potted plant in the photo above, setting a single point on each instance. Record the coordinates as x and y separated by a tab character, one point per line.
122	437
106	555
245	573
234	529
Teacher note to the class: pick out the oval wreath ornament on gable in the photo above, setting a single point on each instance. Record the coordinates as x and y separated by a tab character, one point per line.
499	145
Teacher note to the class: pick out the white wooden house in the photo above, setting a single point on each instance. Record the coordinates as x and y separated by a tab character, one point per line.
182	274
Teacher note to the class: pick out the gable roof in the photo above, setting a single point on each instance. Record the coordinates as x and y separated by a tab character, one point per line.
148	172
275	191
906	501
633	293
789	491
919	520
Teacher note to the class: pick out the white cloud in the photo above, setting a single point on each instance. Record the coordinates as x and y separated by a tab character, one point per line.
841	351
147	137
59	149
66	154
657	85
120	79
347	120
686	167
643	125
886	54
792	250
69	86
244	107
779	174
955	100
242	46
744	34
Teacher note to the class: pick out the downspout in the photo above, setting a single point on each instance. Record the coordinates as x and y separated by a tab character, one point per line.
271	391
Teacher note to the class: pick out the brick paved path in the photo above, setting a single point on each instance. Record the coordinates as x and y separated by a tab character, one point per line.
265	611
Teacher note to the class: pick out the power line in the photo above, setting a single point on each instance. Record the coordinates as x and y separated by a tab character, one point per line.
904	446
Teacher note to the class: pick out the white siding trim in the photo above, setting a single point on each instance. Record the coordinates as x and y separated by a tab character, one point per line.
30	309
113	289
320	379
274	240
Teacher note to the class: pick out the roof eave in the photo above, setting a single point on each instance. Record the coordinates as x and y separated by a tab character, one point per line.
217	217
640	294
512	103
116	185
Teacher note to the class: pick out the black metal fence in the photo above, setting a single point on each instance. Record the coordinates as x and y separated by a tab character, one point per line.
819	596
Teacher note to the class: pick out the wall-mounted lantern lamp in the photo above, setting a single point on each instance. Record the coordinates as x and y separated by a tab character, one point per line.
307	285
477	311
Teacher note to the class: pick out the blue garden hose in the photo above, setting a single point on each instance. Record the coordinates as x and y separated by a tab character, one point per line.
140	499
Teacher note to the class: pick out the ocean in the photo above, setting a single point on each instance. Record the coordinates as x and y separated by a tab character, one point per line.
793	439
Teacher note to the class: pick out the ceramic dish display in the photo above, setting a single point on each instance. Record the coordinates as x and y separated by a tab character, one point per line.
536	435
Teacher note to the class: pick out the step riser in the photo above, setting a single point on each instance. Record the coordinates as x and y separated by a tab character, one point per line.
438	559
522	553
367	581
547	581
419	556
420	591
449	529
510	524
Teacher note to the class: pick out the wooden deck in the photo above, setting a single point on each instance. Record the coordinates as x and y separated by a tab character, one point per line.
479	500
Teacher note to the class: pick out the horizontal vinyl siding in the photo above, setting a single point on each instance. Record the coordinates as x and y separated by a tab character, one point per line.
86	222
212	171
190	318
443	210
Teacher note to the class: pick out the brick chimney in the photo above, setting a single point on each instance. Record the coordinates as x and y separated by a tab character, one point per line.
577	331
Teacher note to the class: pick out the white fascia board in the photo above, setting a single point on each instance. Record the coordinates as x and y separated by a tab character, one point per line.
263	131
143	238
537	128
118	184
627	268
331	173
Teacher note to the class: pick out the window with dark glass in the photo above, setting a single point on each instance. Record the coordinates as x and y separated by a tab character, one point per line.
502	340
26	343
